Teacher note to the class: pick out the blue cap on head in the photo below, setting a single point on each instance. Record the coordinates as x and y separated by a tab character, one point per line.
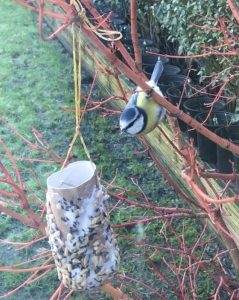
128	116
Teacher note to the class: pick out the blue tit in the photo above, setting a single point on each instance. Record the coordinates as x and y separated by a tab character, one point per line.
142	114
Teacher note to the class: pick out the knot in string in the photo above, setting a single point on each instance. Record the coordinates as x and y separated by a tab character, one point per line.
107	35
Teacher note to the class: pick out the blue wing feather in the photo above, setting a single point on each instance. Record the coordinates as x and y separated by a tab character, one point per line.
132	100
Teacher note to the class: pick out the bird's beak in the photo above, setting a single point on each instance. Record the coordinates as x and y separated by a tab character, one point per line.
122	130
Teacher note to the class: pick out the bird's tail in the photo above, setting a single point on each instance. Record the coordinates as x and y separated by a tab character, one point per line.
157	72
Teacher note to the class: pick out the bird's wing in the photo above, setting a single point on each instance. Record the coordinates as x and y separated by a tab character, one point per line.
157	72
132	100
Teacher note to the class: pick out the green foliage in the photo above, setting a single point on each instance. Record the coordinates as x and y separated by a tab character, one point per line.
36	83
187	27
5	225
182	18
182	21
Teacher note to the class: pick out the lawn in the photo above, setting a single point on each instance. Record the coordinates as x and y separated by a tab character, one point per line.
36	85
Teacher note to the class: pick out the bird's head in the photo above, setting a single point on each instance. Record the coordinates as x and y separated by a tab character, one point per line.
133	120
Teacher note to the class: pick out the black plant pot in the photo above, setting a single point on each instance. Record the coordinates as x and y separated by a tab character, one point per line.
189	91
234	138
168	70
127	40
147	48
196	105
130	49
145	42
206	148
236	162
194	69
176	80
174	94
118	22
233	134
149	59
224	157
145	45
164	88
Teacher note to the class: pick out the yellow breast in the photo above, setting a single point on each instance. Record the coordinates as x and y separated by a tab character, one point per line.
151	109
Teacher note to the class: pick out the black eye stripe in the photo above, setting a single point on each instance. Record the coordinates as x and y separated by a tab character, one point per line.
145	119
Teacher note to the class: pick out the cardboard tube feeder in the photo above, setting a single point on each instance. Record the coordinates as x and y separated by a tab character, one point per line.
80	236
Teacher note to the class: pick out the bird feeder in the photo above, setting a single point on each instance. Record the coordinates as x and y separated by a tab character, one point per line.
78	226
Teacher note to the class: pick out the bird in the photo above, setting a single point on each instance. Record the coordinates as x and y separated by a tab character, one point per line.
142	114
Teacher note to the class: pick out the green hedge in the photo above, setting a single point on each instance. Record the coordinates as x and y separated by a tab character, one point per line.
179	18
172	26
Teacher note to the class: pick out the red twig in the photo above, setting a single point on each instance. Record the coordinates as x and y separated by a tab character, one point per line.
23	219
45	12
29	143
156	218
167	177
118	44
89	96
32	219
207	203
134	34
234	8
68	295
170	107
57	292
26	270
204	196
140	80
31	279
139	282
222	176
155	208
163	277
206	54
68	20
24	243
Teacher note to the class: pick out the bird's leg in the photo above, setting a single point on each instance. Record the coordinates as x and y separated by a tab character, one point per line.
149	93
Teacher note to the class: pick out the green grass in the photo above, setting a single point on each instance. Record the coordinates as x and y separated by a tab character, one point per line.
35	84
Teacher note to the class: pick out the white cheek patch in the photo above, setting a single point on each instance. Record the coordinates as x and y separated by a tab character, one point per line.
137	126
123	124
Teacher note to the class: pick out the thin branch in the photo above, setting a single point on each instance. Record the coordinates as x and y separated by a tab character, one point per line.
134	34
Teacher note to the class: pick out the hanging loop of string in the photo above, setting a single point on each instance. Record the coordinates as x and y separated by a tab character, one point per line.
77	49
77	53
107	35
74	12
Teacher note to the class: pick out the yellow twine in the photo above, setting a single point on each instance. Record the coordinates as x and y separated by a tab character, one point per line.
101	33
77	84
77	93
